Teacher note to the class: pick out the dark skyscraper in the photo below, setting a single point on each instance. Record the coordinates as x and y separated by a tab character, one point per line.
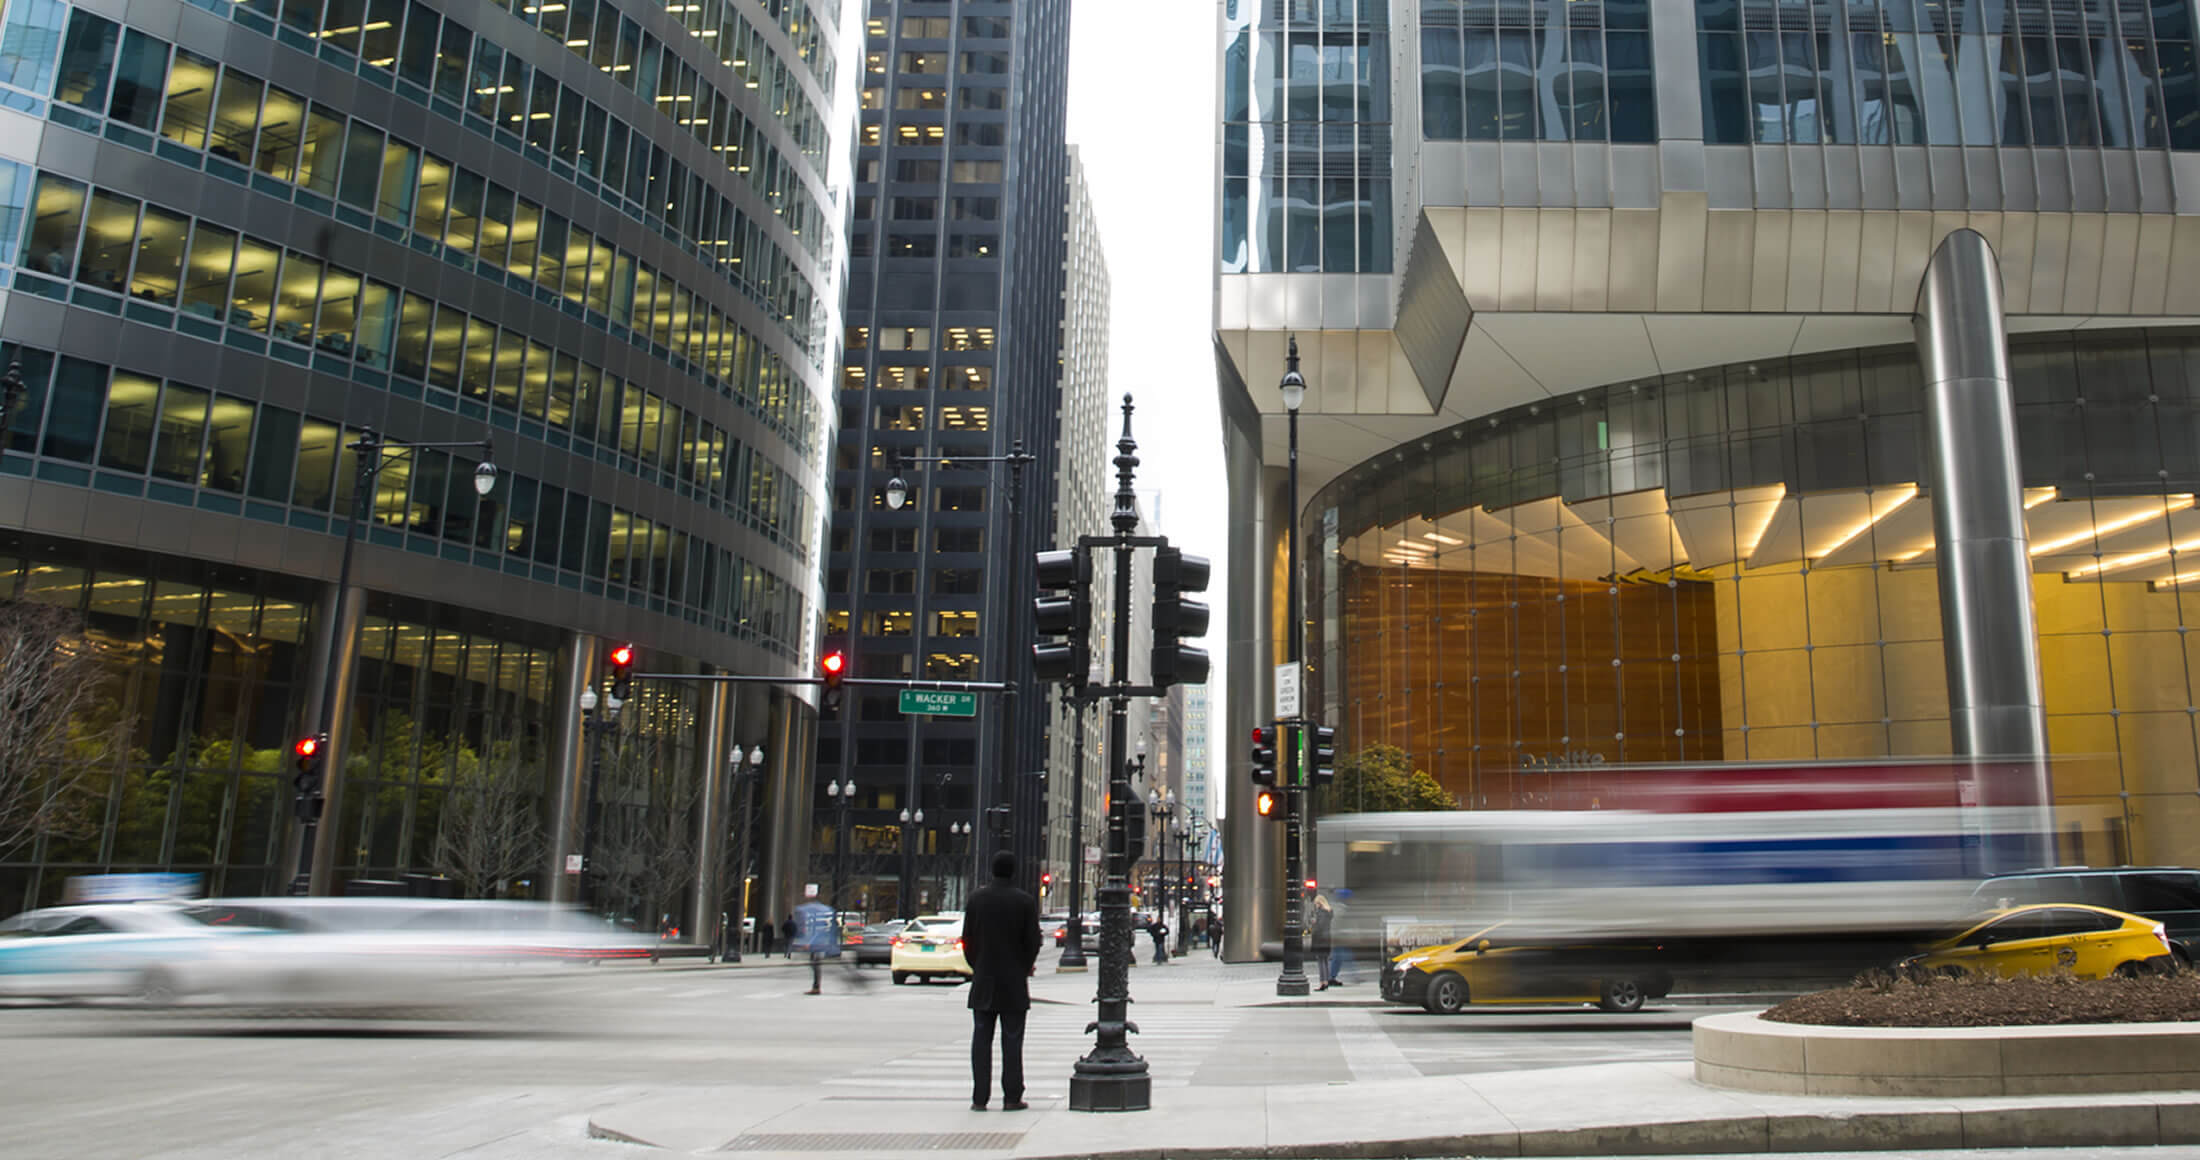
953	314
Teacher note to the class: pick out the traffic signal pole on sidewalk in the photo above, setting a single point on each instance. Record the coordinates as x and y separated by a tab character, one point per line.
1111	1077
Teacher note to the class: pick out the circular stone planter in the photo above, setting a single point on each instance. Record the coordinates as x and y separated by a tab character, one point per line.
1743	1051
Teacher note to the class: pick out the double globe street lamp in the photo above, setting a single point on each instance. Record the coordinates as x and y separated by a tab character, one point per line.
842	795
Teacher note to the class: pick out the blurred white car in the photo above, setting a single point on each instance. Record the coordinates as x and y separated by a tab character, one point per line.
930	946
143	950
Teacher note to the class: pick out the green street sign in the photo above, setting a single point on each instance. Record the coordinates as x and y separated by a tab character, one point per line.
938	703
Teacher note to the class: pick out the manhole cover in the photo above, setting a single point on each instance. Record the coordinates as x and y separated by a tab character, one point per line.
875	1142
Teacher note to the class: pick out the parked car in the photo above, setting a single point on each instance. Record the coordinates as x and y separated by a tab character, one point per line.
930	947
2169	895
877	947
1487	967
2087	941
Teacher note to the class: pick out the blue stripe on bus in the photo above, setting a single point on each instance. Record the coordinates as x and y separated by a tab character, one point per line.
1769	861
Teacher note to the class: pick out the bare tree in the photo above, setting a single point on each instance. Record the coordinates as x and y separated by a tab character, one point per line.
490	832
58	725
644	852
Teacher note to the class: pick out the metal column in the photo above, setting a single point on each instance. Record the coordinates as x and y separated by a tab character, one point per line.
789	754
342	652
713	742
1988	635
568	765
1252	845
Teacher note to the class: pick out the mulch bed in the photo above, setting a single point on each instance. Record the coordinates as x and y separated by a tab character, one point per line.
1881	999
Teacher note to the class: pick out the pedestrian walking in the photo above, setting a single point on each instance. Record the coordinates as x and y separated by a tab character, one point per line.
1214	933
787	930
816	937
1160	934
1318	922
1001	943
764	934
1340	952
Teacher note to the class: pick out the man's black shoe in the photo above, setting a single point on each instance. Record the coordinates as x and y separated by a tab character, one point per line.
977	1107
1013	1105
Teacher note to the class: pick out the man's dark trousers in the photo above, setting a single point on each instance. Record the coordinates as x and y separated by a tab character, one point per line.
1012	1055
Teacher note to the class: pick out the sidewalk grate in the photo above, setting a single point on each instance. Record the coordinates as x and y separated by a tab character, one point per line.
875	1142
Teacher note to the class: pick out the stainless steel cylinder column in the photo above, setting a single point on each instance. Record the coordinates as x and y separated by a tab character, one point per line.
1988	635
788	791
568	765
713	744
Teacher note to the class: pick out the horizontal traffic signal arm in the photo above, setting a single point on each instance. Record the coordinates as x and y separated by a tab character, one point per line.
869	682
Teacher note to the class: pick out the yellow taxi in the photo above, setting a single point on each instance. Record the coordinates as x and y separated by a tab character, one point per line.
1488	967
930	947
2087	941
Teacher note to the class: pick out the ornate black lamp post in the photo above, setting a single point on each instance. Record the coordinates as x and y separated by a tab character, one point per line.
1111	1077
742	772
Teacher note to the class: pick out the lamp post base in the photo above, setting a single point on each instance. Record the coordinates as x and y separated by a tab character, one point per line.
1111	1093
1292	983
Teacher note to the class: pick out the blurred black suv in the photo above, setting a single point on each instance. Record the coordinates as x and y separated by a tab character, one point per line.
2169	895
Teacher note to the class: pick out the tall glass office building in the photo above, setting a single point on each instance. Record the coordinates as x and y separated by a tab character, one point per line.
953	358
1712	382
601	233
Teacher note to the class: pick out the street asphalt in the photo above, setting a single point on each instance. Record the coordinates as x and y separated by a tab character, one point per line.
683	1057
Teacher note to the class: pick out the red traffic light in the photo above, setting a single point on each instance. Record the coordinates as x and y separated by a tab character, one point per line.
1310	885
308	746
622	656
1046	879
834	664
1260	736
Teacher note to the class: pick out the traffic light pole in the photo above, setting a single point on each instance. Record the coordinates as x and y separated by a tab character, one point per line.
1111	1077
1073	941
1293	979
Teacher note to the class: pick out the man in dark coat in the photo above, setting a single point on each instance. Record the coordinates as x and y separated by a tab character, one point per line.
1001	942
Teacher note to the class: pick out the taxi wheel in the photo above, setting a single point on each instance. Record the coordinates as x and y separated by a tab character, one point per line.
1447	995
1621	995
155	988
900	977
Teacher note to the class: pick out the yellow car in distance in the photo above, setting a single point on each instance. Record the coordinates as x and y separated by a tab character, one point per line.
2087	941
1488	967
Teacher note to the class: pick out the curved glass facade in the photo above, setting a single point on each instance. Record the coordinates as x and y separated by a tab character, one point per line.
1737	564
235	236
2096	74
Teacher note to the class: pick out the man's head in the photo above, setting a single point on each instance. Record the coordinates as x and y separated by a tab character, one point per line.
1004	864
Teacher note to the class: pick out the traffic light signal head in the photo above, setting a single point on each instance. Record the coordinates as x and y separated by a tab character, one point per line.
621	663
1175	573
1264	756
1321	755
834	668
307	782
1268	804
1066	612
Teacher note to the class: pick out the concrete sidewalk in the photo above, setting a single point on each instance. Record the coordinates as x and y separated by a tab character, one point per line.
1606	1109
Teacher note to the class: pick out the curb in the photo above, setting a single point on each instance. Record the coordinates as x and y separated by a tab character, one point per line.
2101	1125
2136	1125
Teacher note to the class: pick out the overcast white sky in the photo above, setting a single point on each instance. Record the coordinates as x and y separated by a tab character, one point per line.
1141	98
